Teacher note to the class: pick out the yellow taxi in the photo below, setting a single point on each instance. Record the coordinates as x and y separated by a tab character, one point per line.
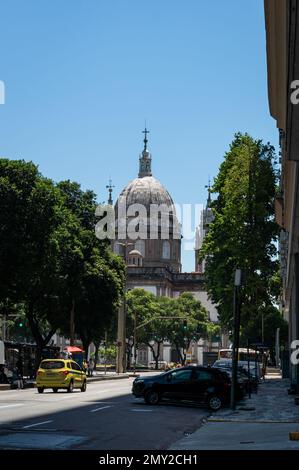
60	373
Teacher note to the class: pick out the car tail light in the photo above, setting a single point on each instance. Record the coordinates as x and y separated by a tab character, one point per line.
64	372
39	372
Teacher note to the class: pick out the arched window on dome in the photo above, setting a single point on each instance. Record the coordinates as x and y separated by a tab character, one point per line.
166	250
140	246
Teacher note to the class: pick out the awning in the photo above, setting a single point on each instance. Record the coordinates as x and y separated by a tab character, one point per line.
73	349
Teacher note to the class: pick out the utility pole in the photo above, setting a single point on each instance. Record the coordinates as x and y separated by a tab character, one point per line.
121	322
248	368
105	352
121	340
135	343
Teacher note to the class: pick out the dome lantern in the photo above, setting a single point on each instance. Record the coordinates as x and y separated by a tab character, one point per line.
145	159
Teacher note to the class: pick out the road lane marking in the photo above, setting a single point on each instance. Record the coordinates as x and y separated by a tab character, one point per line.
135	409
37	424
102	408
10	406
105	402
113	390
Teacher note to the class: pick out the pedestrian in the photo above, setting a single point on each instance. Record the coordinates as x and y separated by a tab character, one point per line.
3	376
31	369
264	367
17	379
19	365
90	367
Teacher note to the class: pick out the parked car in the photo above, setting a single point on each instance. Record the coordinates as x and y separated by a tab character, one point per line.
196	384
255	368
161	365
60	373
250	380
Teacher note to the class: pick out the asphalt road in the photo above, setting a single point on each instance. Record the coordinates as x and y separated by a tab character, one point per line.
106	417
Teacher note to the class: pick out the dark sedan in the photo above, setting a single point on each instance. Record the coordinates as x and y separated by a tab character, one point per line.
197	384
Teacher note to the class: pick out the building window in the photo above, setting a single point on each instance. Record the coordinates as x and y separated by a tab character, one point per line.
117	248
166	250
140	246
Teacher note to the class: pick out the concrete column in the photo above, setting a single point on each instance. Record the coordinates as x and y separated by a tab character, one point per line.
121	341
295	326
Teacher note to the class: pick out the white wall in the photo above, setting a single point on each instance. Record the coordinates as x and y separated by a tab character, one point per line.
209	306
152	289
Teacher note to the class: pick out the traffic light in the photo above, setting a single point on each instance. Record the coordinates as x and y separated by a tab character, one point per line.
185	325
21	324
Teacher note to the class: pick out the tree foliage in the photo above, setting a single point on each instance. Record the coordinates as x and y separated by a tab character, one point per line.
50	260
243	233
159	319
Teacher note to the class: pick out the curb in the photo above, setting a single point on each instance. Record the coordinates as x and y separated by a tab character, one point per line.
116	377
262	421
5	387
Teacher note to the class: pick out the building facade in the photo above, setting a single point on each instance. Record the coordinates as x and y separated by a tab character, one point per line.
282	42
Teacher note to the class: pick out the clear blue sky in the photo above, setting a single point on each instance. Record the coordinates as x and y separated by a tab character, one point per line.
81	77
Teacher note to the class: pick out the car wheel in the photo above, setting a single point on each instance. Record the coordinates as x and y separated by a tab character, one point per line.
152	397
83	388
40	389
70	388
55	390
214	403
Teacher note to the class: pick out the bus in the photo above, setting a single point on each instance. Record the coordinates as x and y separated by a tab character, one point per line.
22	355
242	354
257	359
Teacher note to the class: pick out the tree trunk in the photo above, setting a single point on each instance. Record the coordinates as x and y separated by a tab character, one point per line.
72	324
41	342
155	355
129	355
96	354
178	350
85	342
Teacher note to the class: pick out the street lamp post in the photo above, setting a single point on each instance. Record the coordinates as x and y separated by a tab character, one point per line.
236	308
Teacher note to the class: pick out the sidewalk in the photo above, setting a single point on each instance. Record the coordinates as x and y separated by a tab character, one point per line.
260	423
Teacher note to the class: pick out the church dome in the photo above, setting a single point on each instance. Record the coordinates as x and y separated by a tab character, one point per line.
145	217
146	191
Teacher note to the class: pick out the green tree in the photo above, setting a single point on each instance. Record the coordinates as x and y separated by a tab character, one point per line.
243	233
190	323
50	260
141	308
93	274
179	321
31	212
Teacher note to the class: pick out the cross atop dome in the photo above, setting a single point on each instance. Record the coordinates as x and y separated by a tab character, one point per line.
145	132
145	159
110	189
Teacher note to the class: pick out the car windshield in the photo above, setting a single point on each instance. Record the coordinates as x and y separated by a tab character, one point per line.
52	365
